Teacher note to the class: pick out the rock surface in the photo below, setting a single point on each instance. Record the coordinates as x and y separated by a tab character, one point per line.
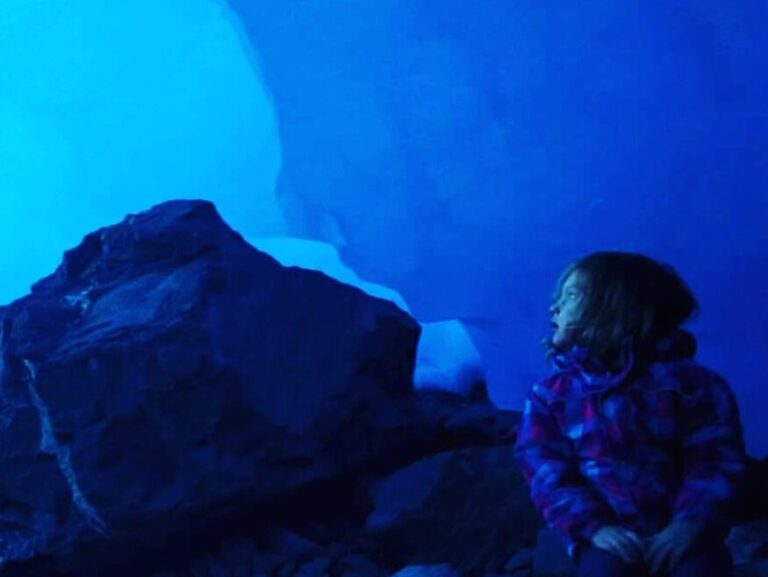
168	374
468	508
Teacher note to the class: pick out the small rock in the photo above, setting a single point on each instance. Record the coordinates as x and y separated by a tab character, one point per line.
353	565
293	545
521	564
550	559
315	568
264	562
748	542
236	554
443	570
476	497
759	569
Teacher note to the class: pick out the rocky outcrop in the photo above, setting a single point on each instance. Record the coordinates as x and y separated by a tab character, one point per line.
168	376
468	508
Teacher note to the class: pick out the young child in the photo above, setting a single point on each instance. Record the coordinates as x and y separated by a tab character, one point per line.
633	451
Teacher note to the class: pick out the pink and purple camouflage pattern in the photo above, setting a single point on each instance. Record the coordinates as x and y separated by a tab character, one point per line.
638	449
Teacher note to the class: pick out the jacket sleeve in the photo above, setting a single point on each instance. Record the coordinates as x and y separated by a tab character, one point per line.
559	491
713	455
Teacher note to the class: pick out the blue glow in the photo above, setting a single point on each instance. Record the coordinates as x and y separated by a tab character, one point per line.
459	154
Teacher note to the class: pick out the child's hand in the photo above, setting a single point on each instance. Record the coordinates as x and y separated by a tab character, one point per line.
666	548
621	542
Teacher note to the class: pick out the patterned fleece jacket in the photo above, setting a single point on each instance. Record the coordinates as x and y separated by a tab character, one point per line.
639	449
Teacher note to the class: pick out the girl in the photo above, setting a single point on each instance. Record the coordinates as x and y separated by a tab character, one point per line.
633	451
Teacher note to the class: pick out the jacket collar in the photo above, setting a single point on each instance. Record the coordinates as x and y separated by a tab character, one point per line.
677	345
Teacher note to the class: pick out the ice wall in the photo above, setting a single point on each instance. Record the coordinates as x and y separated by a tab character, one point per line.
110	107
463	153
460	153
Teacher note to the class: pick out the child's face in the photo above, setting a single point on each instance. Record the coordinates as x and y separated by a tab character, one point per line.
566	310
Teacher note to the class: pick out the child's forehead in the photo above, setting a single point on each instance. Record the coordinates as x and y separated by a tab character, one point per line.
575	279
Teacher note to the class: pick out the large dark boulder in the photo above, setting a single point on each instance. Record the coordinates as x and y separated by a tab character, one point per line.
168	377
